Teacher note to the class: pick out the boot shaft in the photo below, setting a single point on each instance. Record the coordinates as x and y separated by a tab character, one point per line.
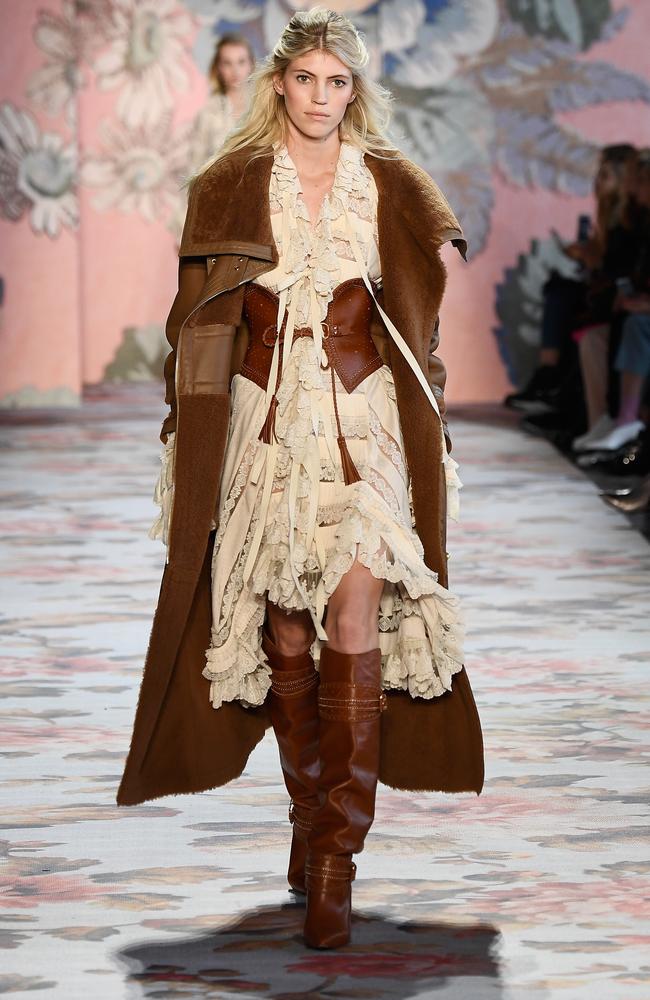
350	702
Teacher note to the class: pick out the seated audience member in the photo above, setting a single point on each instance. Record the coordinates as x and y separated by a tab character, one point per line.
556	384
599	330
632	360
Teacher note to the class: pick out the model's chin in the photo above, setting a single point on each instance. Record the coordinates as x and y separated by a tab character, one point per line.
316	128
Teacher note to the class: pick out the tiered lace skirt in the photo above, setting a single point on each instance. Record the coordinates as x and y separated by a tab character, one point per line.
420	631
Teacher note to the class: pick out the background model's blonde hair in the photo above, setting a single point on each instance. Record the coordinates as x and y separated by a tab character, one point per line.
265	124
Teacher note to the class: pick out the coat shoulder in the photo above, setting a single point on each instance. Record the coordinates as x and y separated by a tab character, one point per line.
225	171
220	200
423	204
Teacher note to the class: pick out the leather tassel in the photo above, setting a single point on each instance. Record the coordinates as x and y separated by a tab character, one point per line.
350	472
268	427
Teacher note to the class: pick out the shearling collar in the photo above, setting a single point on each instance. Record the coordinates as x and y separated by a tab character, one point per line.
229	210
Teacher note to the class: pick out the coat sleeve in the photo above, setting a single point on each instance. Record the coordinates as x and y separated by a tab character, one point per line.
191	277
438	378
433	222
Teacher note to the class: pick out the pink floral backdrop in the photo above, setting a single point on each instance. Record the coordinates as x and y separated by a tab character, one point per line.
504	102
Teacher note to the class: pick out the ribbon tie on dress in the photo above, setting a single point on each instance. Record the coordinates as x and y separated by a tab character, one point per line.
268	449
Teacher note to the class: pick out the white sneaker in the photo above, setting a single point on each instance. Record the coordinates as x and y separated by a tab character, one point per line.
617	437
603	426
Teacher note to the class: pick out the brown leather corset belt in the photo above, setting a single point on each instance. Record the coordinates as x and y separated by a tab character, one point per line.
346	333
350	349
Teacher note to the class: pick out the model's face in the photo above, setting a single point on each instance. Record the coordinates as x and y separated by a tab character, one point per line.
234	66
317	88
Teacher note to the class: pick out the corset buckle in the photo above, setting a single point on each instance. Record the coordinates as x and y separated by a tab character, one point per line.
269	335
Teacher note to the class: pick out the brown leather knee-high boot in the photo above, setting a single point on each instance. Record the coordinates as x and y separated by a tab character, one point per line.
350	702
293	710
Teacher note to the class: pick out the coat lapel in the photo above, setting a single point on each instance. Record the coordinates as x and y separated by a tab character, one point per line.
412	289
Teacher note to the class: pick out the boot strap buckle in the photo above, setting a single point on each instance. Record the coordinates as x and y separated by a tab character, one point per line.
301	818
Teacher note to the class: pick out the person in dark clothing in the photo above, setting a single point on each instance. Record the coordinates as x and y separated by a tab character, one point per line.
632	359
556	384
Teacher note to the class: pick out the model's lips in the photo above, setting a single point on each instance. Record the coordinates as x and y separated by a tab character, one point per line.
317	114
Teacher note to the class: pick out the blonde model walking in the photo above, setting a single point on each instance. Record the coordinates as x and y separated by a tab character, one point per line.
307	476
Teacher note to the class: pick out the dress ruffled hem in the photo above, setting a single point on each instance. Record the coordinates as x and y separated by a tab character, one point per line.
420	656
246	677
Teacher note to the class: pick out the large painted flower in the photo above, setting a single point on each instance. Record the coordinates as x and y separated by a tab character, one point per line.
424	42
67	42
37	173
145	59
580	22
140	170
55	84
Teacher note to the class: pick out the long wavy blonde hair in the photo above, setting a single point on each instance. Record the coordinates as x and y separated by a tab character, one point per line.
265	124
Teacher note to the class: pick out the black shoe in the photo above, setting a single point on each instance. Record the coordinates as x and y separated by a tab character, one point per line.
539	395
623	491
633	459
637	499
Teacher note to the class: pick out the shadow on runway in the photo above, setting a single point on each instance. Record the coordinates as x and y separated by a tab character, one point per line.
262	954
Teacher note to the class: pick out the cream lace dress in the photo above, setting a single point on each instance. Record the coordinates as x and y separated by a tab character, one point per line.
289	527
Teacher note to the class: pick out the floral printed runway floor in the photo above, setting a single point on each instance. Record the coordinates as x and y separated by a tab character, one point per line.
535	889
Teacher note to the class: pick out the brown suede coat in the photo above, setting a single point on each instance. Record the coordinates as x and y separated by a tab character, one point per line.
180	743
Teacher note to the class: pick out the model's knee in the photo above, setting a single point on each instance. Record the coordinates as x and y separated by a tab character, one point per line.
292	633
351	630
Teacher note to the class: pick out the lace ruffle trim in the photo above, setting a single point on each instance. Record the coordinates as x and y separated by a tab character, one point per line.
163	494
420	656
316	249
164	491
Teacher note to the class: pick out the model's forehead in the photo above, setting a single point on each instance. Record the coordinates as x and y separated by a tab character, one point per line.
321	62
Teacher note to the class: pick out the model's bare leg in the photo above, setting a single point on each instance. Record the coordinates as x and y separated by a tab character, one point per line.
351	622
292	631
293	710
350	701
631	393
592	350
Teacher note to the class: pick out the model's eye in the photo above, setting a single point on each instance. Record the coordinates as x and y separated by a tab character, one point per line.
337	82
